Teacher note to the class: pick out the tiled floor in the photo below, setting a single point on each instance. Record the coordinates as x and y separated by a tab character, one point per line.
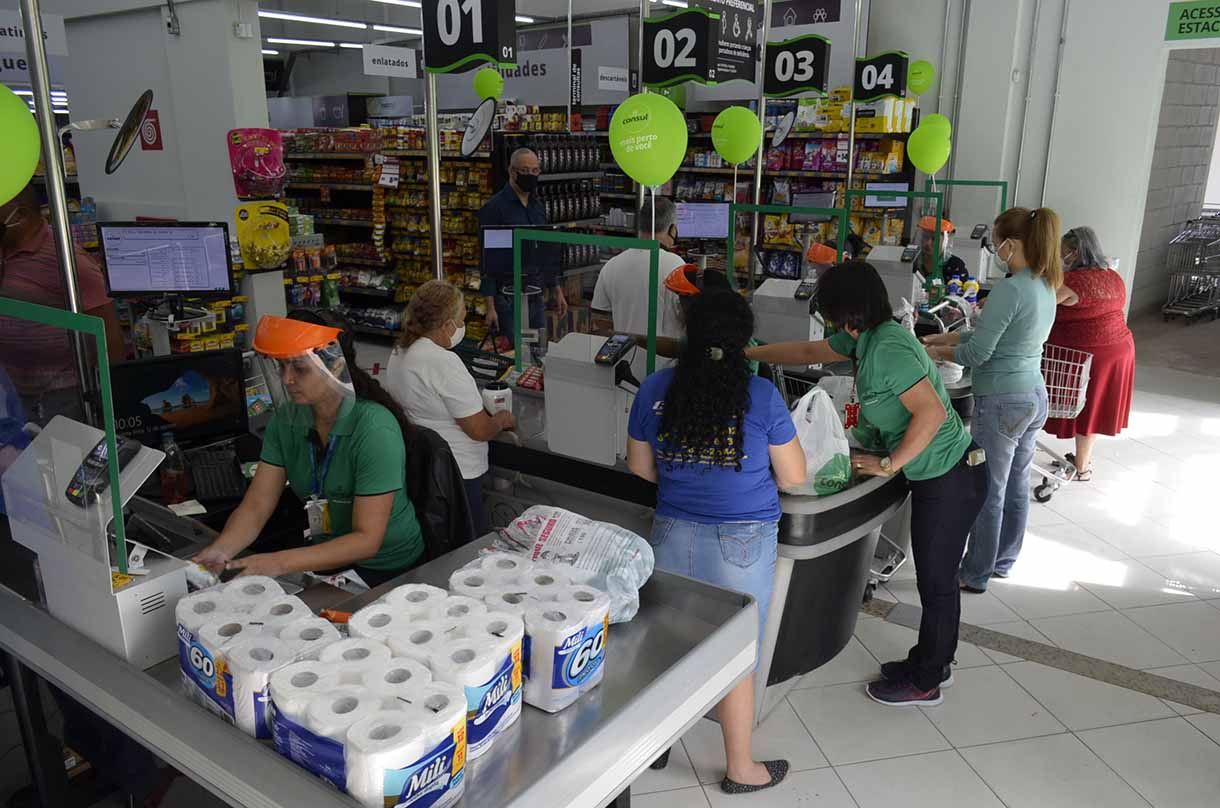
1125	568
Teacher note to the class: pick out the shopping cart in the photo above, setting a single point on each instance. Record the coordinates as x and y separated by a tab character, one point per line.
1066	371
891	552
1194	274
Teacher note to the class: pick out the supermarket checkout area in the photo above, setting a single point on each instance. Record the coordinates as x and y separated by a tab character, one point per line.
688	645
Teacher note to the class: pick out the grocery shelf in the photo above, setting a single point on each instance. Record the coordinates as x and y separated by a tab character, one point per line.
569	175
328	155
344	222
444	155
362	262
367	291
338	186
616	195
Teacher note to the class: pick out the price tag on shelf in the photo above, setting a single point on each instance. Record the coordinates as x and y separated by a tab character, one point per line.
461	34
797	65
883	75
680	47
389	175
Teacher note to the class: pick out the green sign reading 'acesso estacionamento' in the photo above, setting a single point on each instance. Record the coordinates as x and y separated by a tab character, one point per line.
1197	20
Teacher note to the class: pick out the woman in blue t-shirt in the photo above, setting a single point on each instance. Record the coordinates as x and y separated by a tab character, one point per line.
716	440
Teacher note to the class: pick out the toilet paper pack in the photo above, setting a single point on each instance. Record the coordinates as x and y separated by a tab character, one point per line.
421	639
201	657
564	650
246	672
416	599
294	686
408	759
456	607
251	591
378	621
309	635
489	673
439	778
316	742
191	613
397	679
355	650
279	611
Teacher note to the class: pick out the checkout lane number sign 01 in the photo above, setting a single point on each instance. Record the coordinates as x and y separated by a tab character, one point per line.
680	47
459	34
797	65
883	75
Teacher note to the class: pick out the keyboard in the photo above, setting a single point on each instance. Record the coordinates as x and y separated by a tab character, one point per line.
216	474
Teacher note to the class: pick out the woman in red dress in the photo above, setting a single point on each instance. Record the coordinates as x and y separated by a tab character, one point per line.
1092	317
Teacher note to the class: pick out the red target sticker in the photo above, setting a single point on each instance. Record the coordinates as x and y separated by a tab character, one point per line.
150	132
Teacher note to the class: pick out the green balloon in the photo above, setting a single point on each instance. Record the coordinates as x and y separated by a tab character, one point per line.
736	134
18	143
488	83
648	138
920	76
928	149
937	123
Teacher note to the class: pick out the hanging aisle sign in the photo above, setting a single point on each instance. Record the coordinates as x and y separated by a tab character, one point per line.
680	47
797	65
736	37
461	34
883	75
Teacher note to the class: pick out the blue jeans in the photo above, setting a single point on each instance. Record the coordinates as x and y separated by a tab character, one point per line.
734	555
1006	426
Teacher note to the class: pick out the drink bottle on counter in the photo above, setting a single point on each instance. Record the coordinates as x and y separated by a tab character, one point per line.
172	471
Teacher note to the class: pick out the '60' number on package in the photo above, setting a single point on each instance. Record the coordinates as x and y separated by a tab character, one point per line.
590	651
203	663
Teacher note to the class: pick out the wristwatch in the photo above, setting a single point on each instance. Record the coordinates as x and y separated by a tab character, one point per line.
887	465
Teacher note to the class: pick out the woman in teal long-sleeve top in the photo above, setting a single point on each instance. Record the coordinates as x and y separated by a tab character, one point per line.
1004	352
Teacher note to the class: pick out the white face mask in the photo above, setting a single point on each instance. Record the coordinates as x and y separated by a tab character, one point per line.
458	336
1001	263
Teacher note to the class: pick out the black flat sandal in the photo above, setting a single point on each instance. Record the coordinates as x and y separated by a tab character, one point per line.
778	769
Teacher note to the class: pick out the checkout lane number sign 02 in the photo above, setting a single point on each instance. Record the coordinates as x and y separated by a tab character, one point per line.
459	34
797	65
680	47
883	75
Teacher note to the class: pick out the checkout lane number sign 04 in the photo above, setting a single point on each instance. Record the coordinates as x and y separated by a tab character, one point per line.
882	75
797	65
459	34
680	47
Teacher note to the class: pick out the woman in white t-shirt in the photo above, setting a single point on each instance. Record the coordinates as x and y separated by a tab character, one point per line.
436	390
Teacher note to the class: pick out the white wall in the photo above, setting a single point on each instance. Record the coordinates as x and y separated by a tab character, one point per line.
1100	150
1186	133
205	82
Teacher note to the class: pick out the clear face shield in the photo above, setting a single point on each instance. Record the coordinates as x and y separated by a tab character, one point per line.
302	363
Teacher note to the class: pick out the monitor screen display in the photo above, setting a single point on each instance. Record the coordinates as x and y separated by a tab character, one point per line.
880	200
145	259
199	397
812	199
702	220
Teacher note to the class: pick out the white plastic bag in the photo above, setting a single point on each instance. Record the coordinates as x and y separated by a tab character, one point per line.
839	388
827	455
618	561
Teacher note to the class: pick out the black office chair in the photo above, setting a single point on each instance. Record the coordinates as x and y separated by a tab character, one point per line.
435	488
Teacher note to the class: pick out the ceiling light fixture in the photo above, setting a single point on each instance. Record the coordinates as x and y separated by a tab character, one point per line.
30	93
355	45
675	3
407	3
269	52
524	19
280	15
394	29
309	43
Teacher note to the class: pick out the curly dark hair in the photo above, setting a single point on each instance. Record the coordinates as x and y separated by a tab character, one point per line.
705	407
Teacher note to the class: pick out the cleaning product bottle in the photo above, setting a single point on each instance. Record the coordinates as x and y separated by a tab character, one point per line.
970	290
172	471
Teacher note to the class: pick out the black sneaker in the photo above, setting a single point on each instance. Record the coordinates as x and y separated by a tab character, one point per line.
898	671
902	694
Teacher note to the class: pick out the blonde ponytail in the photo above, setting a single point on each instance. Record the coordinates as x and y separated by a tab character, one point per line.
1038	231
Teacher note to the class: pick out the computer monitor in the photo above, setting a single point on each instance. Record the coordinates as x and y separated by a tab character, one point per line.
200	397
812	199
157	259
877	198
697	220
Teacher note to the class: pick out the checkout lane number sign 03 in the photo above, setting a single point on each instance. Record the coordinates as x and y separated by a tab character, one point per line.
459	34
797	65
680	47
883	75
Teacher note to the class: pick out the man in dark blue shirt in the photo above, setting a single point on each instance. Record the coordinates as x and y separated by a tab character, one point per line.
517	204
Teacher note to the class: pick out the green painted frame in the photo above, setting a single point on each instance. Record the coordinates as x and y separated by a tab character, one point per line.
93	327
936	196
1001	184
742	207
522	235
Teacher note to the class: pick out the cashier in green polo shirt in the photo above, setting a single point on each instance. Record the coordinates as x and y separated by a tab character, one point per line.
342	454
903	411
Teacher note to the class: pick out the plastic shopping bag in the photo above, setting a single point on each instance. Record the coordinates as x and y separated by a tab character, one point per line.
827	455
612	558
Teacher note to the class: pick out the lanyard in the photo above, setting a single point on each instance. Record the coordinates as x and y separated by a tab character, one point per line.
316	480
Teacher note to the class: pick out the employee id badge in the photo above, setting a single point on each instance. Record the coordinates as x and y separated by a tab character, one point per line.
977	457
317	511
